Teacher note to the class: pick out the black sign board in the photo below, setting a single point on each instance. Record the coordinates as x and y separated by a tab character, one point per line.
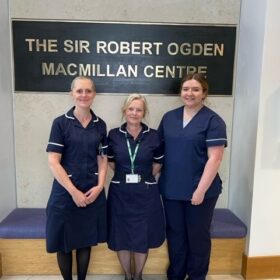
121	57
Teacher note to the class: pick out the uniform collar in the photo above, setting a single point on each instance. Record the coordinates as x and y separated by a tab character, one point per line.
180	112
144	130
70	115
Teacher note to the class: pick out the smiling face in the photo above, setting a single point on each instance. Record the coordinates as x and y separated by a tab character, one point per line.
192	94
83	93
134	112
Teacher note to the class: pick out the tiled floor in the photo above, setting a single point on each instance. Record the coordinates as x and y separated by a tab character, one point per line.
110	277
115	277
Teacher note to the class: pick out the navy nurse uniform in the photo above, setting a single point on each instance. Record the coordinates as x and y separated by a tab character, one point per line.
135	213
188	226
68	226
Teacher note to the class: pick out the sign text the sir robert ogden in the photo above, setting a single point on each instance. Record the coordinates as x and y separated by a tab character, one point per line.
130	62
125	48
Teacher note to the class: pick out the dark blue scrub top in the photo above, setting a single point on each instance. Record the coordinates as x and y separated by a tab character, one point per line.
185	152
150	150
79	148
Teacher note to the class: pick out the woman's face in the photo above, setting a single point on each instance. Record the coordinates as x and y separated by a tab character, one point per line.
83	93
192	94
134	112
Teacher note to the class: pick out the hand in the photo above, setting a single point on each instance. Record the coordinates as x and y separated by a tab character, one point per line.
198	197
92	194
79	198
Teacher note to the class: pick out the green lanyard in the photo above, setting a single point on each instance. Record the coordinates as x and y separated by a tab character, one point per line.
132	156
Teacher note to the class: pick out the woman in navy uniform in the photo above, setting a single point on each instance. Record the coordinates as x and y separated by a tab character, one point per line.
194	137
135	213
76	210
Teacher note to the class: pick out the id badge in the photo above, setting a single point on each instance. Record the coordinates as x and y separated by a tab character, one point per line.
132	178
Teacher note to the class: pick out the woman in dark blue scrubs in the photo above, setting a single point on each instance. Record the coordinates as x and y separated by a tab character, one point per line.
194	137
76	210
135	213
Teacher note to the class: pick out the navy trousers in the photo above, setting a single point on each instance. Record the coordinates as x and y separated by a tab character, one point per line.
188	238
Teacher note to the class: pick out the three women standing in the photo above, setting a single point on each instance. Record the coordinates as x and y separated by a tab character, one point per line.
193	137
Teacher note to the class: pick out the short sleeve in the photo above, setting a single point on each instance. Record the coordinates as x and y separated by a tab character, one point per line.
158	151
110	153
216	134
160	130
103	147
56	141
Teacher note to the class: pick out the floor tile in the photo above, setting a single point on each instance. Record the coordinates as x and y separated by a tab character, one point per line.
232	277
115	277
17	277
45	277
224	277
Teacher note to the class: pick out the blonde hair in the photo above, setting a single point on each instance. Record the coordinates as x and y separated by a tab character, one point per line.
83	78
132	97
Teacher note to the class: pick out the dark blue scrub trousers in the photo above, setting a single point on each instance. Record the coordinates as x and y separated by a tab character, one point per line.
188	238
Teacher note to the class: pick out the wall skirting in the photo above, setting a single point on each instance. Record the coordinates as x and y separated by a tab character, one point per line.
260	267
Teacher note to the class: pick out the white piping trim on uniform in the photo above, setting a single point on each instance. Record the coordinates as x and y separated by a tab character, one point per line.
217	139
104	147
68	117
159	157
110	156
122	131
56	144
96	120
149	183
72	118
147	130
